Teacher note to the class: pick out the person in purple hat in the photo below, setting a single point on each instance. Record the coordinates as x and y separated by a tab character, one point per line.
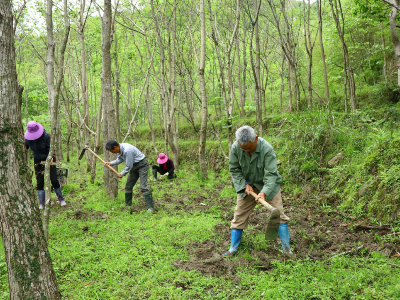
38	140
165	167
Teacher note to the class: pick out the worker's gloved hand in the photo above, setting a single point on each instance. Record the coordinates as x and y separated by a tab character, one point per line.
166	174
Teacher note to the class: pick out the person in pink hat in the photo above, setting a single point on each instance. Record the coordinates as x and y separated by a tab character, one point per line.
38	140
165	167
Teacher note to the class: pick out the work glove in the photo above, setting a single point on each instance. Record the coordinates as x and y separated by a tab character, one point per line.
166	174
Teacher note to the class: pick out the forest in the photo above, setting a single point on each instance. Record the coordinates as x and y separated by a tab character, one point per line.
318	80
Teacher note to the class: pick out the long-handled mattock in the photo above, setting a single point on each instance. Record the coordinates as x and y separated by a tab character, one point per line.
87	148
271	232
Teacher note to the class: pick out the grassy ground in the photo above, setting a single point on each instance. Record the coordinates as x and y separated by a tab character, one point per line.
102	251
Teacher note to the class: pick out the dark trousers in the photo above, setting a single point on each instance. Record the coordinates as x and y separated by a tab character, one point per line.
39	172
139	170
157	169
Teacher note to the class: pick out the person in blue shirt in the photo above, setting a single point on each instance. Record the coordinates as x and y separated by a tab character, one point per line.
137	167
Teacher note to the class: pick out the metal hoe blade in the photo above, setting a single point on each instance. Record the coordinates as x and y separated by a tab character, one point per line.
271	232
82	153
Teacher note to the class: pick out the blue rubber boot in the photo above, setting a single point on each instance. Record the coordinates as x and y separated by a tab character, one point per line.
236	236
285	238
41	195
60	196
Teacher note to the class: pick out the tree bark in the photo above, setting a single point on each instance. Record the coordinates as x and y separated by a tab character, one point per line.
337	13
117	88
29	265
321	43
150	118
53	101
384	54
228	105
204	113
309	49
257	67
97	142
172	125
84	83
395	40
288	44
239	77
110	180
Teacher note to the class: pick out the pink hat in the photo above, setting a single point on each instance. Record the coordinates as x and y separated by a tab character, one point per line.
162	158
34	130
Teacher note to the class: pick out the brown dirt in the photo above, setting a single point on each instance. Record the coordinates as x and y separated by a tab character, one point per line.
315	234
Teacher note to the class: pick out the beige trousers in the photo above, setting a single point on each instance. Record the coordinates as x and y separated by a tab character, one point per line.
245	206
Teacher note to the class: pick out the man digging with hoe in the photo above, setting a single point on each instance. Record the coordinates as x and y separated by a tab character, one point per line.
255	176
137	167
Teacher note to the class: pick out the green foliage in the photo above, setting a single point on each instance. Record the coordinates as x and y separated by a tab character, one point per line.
375	186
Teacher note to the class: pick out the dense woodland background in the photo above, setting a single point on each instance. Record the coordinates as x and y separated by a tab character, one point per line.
320	81
335	59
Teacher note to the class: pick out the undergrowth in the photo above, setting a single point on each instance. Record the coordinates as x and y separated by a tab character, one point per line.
101	251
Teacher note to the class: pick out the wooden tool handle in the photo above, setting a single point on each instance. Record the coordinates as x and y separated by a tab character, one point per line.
111	168
263	202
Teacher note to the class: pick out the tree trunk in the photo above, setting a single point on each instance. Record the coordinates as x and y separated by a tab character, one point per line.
282	82
256	69
163	89
117	88
84	83
172	126
228	106
337	13
97	143
309	49
239	77
321	43
150	119
395	40
290	87
288	44
110	180
29	266
204	113
53	100
384	54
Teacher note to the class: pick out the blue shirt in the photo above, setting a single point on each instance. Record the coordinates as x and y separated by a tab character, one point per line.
128	153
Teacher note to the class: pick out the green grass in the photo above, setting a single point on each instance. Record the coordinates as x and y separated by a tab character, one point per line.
130	256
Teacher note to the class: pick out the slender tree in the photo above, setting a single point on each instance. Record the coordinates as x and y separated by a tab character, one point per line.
337	12
204	113
108	129
321	43
53	92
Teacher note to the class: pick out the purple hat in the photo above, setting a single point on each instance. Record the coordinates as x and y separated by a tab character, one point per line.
162	158
34	130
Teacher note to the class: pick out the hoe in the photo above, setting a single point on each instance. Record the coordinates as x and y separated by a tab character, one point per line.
87	148
271	232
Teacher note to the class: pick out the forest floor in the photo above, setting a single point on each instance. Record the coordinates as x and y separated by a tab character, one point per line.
316	232
101	250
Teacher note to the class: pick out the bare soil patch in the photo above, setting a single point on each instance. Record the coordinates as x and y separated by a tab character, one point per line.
314	234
